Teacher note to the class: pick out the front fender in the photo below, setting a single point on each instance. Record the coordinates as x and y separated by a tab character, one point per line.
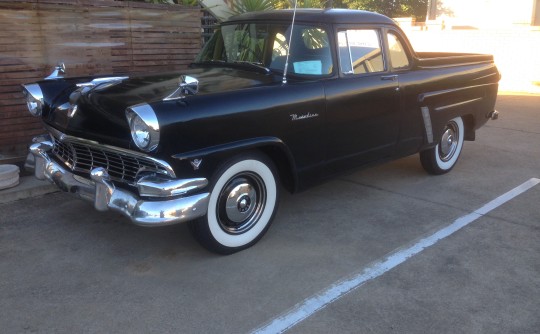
210	158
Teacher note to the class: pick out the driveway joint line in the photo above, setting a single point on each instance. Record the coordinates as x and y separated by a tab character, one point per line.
404	195
512	129
321	300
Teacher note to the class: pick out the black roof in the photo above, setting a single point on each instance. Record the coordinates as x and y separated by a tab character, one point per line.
334	16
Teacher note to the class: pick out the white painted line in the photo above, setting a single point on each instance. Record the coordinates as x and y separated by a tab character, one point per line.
339	289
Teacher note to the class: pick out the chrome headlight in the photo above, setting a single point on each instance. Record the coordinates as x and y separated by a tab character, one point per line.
34	98
144	126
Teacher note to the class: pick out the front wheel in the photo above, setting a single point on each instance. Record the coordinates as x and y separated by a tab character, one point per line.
242	204
443	157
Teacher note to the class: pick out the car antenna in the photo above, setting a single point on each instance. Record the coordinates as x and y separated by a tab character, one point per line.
290	42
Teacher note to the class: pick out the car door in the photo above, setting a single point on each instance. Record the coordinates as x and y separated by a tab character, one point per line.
363	103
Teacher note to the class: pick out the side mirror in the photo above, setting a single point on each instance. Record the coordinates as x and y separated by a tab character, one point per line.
58	72
187	86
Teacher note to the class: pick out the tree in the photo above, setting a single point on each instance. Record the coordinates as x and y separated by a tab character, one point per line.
243	6
391	8
170	2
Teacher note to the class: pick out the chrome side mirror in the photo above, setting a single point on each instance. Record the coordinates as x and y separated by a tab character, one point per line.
58	72
187	86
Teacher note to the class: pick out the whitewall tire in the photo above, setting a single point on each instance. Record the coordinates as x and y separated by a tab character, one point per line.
243	202
444	156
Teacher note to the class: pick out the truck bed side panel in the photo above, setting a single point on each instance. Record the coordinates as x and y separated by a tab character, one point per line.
443	93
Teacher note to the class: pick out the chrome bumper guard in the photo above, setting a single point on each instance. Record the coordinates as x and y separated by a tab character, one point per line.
106	196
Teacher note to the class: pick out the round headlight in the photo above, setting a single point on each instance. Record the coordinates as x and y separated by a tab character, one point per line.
140	132
144	126
34	98
33	106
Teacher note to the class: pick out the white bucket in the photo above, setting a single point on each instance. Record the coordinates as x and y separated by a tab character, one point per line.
9	176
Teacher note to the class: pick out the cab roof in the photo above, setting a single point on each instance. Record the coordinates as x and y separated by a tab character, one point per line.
331	16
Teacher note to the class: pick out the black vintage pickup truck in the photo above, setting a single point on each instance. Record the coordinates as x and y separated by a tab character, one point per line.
268	104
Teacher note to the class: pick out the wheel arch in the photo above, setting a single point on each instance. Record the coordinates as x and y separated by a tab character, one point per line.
274	148
284	164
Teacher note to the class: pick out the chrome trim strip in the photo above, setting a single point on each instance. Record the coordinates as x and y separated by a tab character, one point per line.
100	84
422	97
470	63
459	104
349	48
67	138
155	186
106	196
427	124
486	76
63	137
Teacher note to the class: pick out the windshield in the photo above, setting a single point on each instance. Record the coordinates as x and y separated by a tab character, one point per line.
266	45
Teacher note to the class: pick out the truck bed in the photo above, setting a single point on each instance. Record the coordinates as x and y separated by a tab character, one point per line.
443	59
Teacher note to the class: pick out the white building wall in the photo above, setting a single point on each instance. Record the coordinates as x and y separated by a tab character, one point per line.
483	13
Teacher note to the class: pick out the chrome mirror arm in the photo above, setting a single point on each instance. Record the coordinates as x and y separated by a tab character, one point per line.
58	72
187	86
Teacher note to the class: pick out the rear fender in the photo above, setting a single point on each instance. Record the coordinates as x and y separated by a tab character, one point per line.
471	103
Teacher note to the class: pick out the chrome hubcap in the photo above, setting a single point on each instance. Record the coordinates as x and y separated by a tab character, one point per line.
241	203
238	205
449	142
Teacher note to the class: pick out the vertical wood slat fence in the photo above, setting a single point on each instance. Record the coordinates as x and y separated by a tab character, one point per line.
91	37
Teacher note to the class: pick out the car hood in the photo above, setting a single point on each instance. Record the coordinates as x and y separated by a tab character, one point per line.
100	114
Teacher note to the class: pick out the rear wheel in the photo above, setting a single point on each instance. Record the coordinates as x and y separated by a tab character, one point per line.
443	157
242	204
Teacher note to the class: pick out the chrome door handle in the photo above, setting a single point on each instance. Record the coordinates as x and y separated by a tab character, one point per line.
393	77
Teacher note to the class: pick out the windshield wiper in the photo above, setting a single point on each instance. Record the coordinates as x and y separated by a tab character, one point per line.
257	66
210	62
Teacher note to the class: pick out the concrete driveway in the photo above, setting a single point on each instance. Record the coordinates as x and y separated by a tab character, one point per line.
65	268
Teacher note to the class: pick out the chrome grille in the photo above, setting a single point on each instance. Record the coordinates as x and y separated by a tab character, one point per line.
121	166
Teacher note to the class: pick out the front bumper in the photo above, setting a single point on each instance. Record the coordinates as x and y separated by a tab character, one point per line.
167	203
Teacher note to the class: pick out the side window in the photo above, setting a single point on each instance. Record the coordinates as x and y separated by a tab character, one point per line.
310	53
245	42
280	47
360	51
315	39
398	55
315	57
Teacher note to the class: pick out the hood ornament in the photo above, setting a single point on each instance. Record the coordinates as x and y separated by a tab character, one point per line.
85	88
187	86
58	72
100	84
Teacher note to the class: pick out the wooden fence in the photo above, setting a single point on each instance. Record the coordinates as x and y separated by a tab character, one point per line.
90	37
